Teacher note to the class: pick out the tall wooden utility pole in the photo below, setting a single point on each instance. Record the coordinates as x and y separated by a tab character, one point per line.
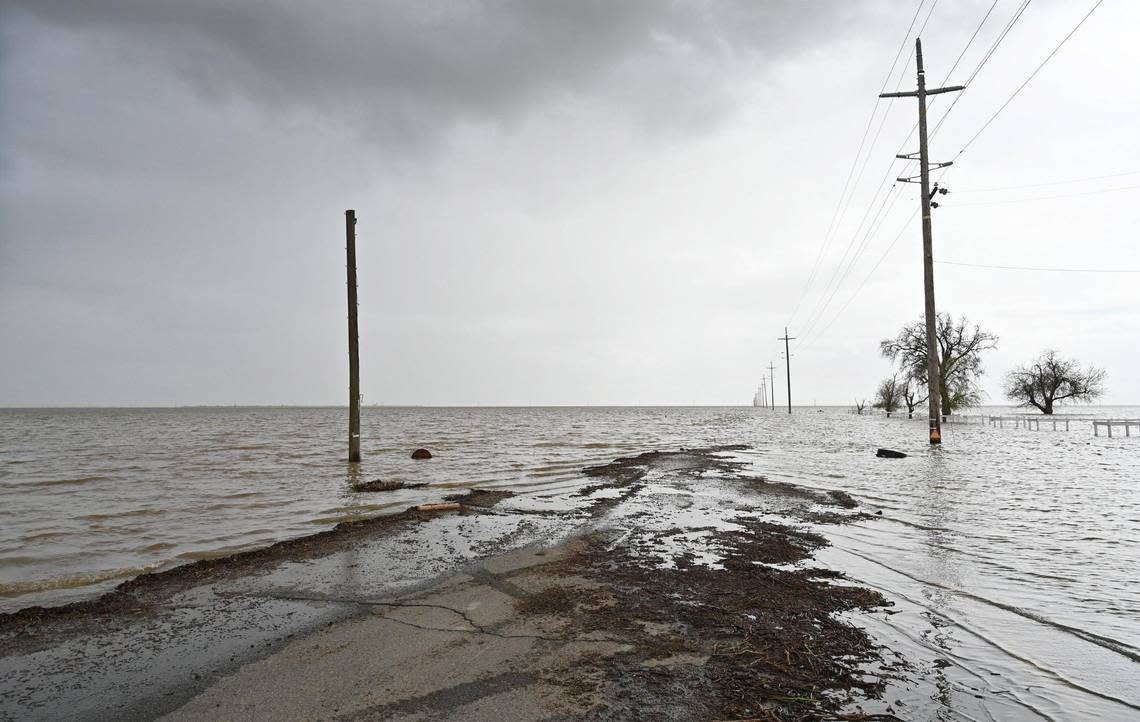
353	341
927	239
772	376
788	358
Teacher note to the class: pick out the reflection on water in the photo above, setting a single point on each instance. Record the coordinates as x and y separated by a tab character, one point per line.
1012	554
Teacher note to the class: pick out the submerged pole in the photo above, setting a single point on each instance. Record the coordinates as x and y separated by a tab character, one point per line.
772	377
353	341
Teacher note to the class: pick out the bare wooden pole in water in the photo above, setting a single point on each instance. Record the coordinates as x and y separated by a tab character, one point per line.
353	341
772	376
927	238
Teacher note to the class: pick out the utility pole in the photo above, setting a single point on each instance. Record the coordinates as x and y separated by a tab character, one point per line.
927	236
353	341
788	358
764	392
772	376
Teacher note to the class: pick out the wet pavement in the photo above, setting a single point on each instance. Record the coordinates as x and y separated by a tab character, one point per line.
156	645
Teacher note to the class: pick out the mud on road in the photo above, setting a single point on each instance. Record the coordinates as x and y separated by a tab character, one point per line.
671	586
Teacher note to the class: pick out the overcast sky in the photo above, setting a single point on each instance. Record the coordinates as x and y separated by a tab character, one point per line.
559	202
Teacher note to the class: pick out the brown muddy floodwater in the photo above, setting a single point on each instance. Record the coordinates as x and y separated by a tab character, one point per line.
1012	555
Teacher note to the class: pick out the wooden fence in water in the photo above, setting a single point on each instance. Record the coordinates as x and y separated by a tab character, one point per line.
1036	422
1110	424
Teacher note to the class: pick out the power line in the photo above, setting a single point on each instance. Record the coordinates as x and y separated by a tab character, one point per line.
866	278
1045	198
1038	268
982	64
998	41
969	43
862	170
819	307
825	298
985	59
836	214
874	268
880	218
1048	183
1031	76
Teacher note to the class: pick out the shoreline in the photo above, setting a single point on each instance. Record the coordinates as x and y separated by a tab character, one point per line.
651	525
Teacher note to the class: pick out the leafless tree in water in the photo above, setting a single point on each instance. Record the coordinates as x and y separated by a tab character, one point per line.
888	396
1050	379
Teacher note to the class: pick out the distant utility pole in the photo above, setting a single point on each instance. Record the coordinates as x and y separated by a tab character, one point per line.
353	341
764	392
788	358
772	376
927	237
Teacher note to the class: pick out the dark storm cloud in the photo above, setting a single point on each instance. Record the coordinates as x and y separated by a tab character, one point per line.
560	201
407	70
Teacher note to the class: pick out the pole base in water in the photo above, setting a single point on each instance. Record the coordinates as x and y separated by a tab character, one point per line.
935	437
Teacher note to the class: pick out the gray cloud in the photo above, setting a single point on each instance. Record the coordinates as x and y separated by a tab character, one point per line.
409	70
559	202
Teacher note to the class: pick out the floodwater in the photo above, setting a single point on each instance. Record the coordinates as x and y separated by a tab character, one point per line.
1012	555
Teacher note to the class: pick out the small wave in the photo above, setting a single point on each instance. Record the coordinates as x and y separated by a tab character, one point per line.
568	473
39	536
17	589
121	514
18	561
239	505
341	518
77	481
1114	645
218	553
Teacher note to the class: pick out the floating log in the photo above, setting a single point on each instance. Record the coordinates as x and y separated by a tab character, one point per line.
890	454
437	507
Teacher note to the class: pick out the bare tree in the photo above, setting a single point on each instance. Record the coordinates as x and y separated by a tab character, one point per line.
888	396
911	398
960	348
860	405
1050	379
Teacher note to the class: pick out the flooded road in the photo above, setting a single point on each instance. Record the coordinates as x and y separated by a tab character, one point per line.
1011	554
